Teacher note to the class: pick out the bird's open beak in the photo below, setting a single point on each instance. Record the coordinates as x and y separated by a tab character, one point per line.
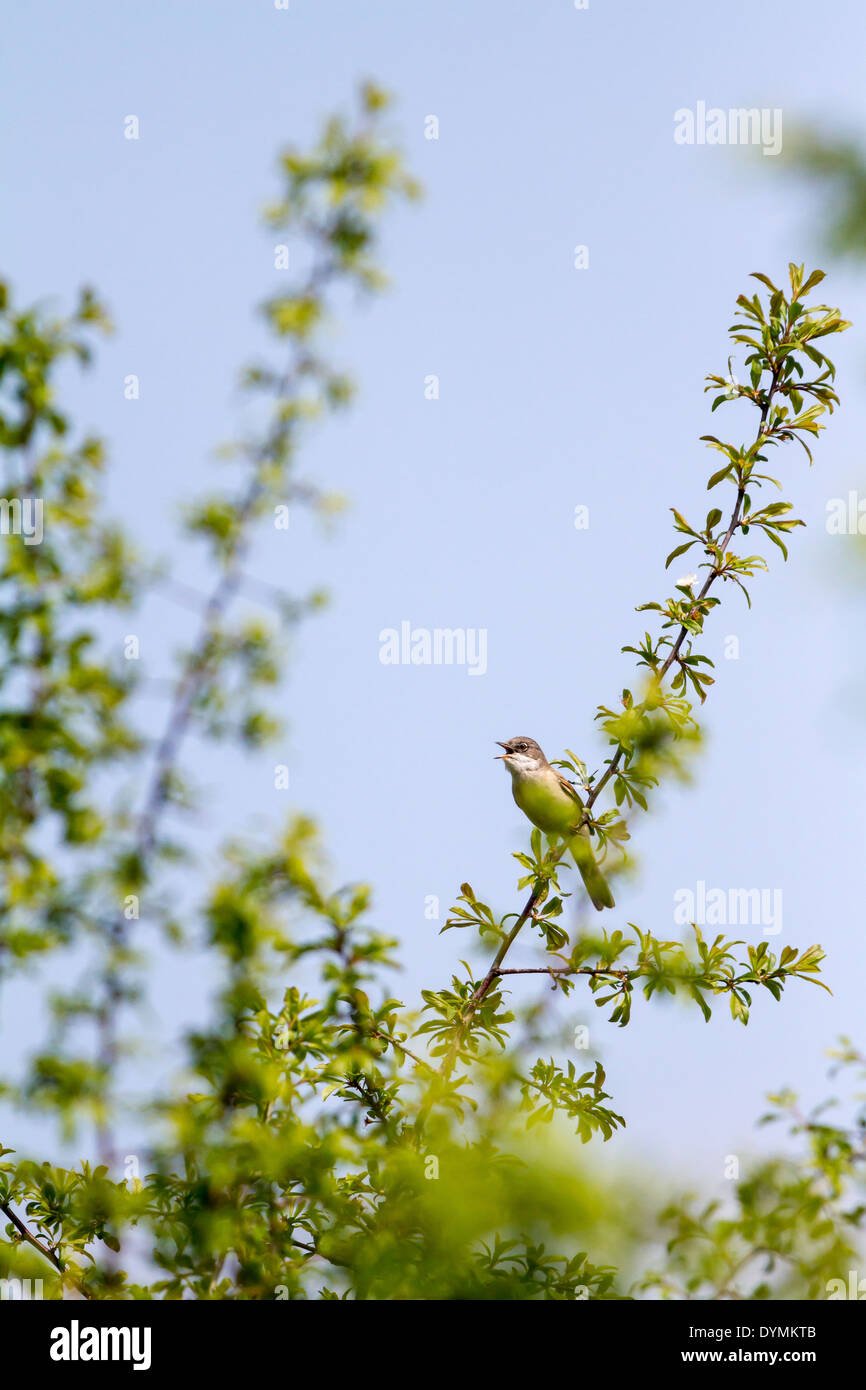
501	756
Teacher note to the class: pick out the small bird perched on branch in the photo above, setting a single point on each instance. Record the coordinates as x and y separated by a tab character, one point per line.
552	803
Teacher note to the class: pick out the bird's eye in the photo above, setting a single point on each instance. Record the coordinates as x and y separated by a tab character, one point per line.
521	747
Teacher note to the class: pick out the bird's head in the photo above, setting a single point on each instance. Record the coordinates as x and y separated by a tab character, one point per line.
522	755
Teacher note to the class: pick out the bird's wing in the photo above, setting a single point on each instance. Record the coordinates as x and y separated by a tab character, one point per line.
571	791
569	788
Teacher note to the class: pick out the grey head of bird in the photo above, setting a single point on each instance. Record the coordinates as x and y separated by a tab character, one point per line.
522	755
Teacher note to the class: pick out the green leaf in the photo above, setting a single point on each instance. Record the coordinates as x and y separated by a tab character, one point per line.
718	477
680	550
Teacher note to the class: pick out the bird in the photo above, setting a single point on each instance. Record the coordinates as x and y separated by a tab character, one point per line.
552	804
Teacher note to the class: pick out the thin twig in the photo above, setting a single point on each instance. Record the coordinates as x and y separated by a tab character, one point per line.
377	1033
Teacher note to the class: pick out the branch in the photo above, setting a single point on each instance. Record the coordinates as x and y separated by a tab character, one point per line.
569	970
529	907
776	354
713	575
44	1250
189	686
386	1038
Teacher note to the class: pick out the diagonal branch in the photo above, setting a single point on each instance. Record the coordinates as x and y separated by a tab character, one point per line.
44	1250
495	970
189	686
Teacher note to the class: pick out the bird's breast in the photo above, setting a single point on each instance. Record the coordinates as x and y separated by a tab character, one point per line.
546	805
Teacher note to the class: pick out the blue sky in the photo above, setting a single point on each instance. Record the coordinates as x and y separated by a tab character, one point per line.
558	387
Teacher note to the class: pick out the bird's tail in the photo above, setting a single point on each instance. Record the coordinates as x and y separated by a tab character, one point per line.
594	880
